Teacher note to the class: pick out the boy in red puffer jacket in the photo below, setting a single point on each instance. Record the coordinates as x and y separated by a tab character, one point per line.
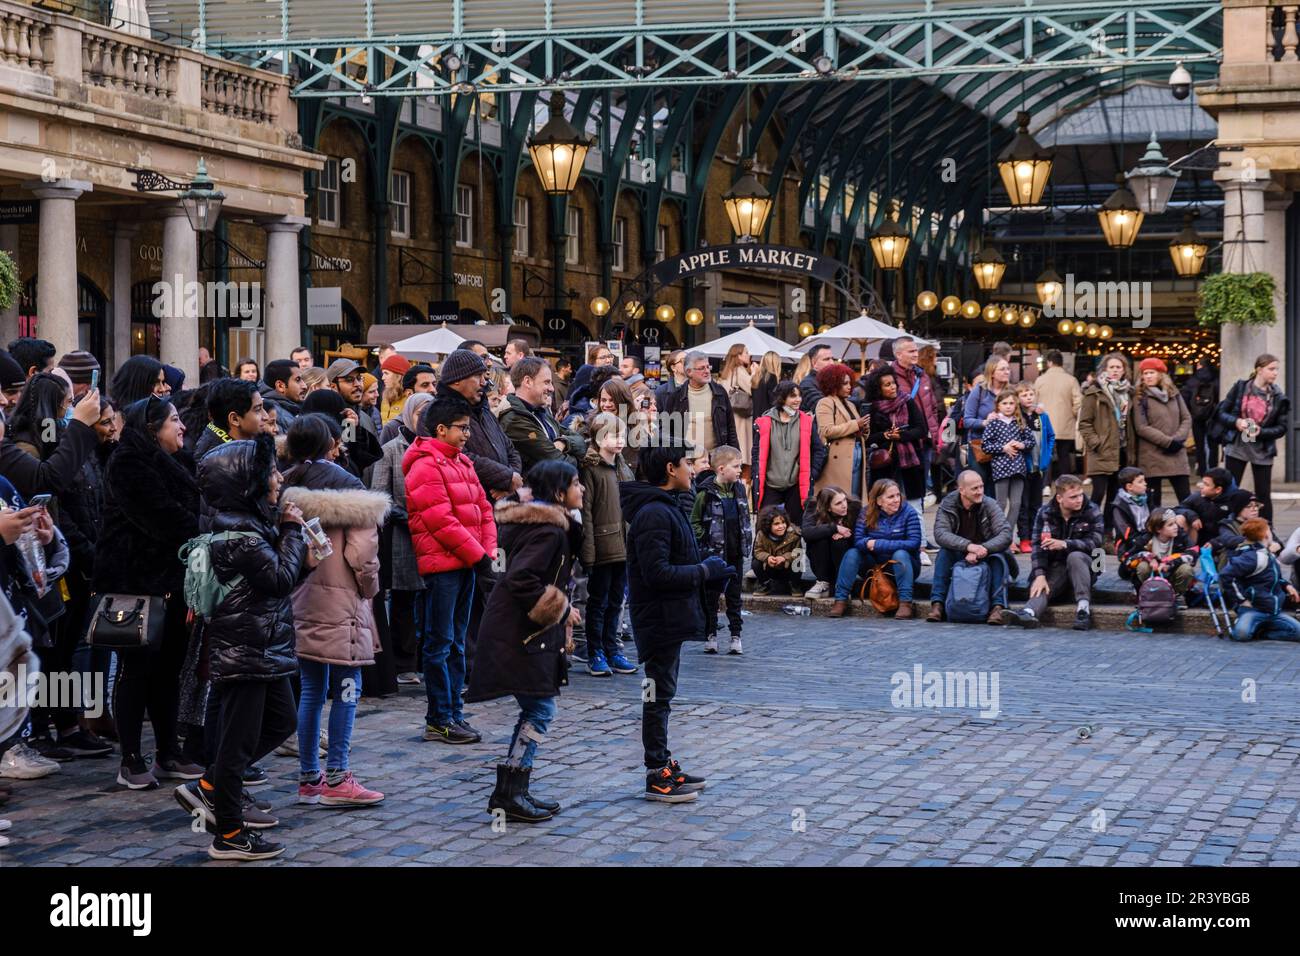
453	532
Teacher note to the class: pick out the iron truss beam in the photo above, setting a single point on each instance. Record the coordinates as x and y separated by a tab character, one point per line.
828	39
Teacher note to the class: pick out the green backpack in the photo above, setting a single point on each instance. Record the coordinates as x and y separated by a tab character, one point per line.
203	592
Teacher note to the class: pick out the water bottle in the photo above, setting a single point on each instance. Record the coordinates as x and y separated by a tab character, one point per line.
32	554
797	610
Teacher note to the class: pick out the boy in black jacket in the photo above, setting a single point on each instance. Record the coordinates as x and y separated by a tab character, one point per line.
1207	507
720	520
665	577
250	638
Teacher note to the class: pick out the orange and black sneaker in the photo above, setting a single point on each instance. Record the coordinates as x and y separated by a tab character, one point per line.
662	785
684	780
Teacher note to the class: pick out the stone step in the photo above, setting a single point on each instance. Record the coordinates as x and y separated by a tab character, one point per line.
1105	617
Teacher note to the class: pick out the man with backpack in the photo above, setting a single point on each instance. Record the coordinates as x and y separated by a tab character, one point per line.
973	537
1201	395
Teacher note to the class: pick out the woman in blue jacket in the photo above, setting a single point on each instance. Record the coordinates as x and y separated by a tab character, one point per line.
981	402
889	529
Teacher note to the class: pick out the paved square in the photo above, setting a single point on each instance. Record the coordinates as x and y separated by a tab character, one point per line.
1192	759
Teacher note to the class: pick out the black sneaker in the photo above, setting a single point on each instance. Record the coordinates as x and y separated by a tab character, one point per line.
464	725
248	798
255	776
1021	618
684	780
82	743
450	734
243	844
197	802
51	749
662	786
579	652
1082	620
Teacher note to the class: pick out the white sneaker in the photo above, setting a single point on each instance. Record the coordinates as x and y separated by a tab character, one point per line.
409	677
929	501
735	646
925	560
289	748
21	762
4	842
817	590
711	646
4	825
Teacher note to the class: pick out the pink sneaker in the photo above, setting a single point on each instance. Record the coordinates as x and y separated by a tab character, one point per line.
311	792
348	793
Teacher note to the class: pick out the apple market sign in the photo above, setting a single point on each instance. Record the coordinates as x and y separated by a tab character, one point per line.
747	255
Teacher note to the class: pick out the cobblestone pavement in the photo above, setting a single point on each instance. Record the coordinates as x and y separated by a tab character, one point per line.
1192	760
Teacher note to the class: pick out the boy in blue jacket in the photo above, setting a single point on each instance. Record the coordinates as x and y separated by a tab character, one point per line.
1255	578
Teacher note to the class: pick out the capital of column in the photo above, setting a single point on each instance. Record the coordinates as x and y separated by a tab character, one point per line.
58	188
285	224
171	209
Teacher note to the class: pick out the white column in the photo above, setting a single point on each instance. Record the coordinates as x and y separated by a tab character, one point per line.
120	338
9	316
56	267
180	272
282	320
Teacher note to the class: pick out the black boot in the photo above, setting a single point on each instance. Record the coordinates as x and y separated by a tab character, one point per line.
509	796
550	806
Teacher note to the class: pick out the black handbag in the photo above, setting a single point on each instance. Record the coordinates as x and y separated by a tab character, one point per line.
42	612
124	622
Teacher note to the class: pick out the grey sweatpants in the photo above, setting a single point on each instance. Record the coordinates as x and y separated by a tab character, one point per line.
1075	571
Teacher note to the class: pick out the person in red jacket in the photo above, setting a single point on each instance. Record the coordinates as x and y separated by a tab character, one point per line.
453	532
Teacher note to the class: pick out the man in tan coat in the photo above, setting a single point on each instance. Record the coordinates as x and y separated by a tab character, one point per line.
1060	395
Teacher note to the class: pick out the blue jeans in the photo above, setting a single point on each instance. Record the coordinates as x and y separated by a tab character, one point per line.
943	564
857	468
535	715
605	586
1252	624
451	594
317	680
856	562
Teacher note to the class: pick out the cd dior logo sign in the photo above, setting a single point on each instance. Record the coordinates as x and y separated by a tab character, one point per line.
77	910
1102	300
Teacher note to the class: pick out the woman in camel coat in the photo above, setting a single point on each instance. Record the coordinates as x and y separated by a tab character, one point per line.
841	428
1161	423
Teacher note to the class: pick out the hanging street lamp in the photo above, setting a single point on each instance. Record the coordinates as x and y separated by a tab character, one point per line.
1120	216
889	243
558	150
748	204
988	266
926	301
1152	180
200	199
1049	285
1188	249
1024	166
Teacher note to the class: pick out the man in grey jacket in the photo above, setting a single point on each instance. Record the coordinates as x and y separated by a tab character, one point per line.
970	527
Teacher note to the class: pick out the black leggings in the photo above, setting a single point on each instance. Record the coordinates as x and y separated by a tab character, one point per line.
150	680
1181	485
1263	477
1105	487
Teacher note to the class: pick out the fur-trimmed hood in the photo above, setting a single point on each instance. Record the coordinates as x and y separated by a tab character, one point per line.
340	508
531	512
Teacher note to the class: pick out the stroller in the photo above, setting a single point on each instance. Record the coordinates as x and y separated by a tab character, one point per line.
1207	573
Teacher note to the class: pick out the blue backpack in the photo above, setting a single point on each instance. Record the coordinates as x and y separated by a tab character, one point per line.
968	594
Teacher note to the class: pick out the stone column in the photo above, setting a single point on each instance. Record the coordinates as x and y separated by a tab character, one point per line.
180	310
283	318
1254	240
56	268
120	337
9	316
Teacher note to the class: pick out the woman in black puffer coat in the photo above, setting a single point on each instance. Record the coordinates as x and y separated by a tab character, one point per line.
151	508
526	625
250	634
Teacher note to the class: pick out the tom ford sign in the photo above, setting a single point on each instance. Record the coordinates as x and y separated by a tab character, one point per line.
746	256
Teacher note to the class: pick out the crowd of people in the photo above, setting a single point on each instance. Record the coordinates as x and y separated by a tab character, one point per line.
475	527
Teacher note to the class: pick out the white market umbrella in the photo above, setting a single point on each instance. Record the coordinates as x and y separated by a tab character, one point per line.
755	339
859	339
426	345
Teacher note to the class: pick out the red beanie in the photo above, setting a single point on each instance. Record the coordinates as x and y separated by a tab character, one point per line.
395	364
1153	363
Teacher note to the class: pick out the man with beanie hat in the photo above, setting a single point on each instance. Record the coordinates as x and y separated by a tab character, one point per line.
80	366
392	398
58	473
496	461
